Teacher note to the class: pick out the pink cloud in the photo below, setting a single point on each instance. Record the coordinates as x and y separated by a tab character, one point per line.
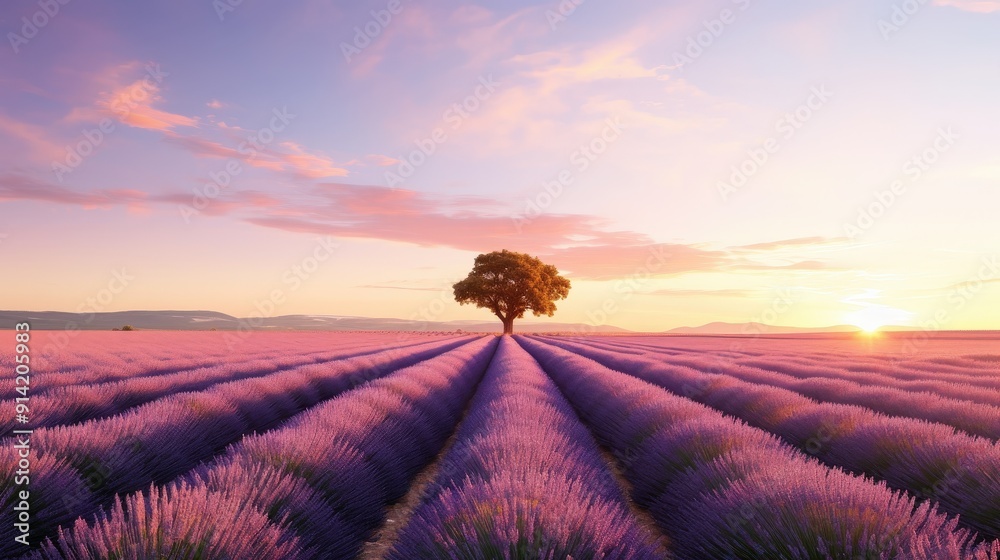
382	160
20	187
615	260
424	29
307	164
800	241
580	245
291	158
115	93
32	138
202	147
133	105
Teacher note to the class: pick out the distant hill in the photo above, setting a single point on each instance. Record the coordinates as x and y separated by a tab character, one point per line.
206	320
759	328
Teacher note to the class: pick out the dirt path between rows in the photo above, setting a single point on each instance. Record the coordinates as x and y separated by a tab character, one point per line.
381	542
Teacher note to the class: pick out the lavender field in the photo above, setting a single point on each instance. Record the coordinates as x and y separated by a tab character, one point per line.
150	445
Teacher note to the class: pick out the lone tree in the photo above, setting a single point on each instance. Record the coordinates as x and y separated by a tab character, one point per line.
509	283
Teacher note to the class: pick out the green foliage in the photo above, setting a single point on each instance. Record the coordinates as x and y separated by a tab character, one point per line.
128	328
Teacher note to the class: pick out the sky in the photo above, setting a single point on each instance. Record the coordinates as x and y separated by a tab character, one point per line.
801	164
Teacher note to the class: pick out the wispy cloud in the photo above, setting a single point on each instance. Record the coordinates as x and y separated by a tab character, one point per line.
580	245
789	243
15	187
978	6
33	139
134	105
310	165
137	102
19	187
679	293
381	160
286	157
407	288
797	265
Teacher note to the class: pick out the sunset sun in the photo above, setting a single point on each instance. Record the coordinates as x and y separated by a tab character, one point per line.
874	317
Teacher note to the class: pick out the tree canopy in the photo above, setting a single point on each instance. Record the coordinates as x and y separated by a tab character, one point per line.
510	284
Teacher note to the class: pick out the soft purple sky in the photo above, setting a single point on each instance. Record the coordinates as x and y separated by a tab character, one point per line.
644	109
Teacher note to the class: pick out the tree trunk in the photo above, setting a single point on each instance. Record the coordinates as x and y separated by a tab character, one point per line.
508	326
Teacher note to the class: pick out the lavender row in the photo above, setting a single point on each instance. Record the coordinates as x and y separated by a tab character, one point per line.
955	470
100	357
957	369
314	489
898	374
722	489
78	403
99	363
109	366
971	388
78	468
945	367
524	479
974	388
974	418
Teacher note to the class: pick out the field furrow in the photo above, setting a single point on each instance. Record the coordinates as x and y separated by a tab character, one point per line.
314	489
524	479
79	468
77	403
974	418
135	359
958	472
722	489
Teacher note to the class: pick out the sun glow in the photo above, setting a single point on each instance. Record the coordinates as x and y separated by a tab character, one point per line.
873	317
